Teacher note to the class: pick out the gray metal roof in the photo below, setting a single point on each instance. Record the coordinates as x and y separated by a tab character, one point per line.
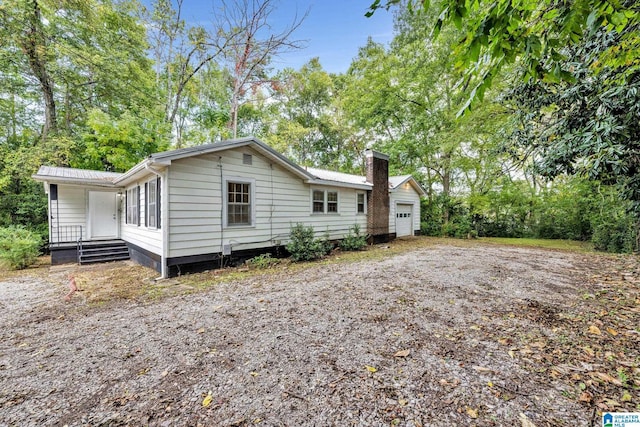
80	176
337	176
395	181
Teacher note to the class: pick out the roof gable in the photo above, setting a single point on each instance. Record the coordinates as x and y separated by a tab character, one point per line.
165	158
395	182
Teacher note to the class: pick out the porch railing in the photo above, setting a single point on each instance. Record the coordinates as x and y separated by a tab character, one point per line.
66	234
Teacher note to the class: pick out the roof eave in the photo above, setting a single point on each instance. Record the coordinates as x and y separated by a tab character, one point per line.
77	181
339	184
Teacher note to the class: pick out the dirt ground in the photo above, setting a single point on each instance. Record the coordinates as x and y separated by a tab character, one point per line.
446	334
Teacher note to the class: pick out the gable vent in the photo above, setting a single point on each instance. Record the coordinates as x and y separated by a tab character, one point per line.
247	159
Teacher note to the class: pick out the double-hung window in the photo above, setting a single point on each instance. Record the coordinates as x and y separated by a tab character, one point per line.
239	203
318	201
152	196
324	201
361	203
133	205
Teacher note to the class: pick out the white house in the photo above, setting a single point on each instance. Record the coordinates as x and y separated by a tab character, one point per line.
193	208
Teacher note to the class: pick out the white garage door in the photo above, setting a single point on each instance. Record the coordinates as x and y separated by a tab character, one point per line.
404	220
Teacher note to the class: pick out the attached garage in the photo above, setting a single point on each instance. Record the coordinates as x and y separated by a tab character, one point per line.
404	220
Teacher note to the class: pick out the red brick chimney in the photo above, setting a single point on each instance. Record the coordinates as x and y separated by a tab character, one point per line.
377	166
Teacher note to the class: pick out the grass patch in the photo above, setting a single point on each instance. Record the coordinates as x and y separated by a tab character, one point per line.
565	245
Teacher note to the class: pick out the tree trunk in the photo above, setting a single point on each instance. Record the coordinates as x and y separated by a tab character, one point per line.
446	186
34	47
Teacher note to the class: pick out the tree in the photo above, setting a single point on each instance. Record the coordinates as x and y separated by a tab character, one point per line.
408	95
181	52
587	126
251	48
310	126
502	32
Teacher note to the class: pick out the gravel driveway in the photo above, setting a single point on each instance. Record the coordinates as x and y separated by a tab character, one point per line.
433	336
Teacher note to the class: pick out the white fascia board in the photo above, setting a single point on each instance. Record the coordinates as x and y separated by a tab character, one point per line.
328	183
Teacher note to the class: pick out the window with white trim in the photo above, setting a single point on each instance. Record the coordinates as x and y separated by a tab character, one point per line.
361	203
324	201
318	201
133	205
239	208
332	202
152	197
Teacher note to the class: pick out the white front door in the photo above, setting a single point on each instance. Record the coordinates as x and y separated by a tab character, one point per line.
103	215
404	220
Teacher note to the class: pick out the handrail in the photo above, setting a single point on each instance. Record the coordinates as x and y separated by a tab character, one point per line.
66	234
80	247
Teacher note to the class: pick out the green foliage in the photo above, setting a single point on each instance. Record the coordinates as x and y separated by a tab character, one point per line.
19	247
116	144
304	246
353	241
586	127
615	235
497	33
262	261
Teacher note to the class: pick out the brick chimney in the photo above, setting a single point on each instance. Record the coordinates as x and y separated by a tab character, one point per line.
377	166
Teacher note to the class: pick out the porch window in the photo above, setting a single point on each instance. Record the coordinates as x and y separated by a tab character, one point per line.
153	203
133	205
238	203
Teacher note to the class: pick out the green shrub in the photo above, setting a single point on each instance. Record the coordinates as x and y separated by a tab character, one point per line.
262	261
19	247
616	236
304	246
353	241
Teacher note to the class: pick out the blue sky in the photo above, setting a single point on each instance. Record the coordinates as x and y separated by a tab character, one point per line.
333	29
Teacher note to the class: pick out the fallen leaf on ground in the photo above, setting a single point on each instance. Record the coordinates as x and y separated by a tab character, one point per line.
402	353
585	397
473	413
207	400
607	378
593	329
612	331
370	368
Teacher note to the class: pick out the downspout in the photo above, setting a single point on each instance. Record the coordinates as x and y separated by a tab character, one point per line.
221	213
164	217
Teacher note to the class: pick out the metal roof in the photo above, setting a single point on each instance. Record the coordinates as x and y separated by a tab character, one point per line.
314	175
79	176
337	176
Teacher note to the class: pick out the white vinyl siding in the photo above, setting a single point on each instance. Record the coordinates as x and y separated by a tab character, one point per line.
281	199
406	195
143	236
68	213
